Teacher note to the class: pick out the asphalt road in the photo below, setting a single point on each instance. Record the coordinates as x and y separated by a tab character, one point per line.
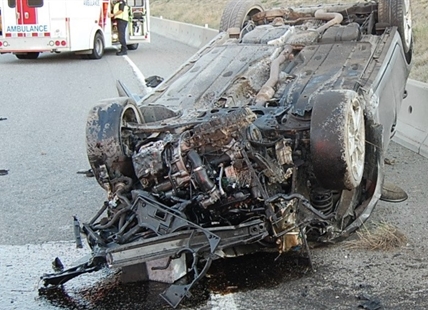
43	107
46	103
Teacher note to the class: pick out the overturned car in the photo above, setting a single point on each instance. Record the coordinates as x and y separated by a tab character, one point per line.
272	135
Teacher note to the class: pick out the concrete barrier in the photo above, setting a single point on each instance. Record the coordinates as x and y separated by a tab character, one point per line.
412	125
196	36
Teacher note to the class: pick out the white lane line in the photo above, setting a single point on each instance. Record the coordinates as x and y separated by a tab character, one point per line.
138	74
221	302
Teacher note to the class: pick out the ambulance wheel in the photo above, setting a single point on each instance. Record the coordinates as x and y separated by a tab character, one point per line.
132	47
32	55
98	50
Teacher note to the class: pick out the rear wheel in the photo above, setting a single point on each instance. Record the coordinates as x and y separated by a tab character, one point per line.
98	50
398	13
237	13
132	47
109	141
31	55
338	140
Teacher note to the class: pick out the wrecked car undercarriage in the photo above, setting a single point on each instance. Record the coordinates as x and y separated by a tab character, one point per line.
271	136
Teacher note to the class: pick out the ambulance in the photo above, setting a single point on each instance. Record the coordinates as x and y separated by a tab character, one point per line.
31	27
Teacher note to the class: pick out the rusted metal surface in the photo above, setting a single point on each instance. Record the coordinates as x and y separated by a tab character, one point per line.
108	144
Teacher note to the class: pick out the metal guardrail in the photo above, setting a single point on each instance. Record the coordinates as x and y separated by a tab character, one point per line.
412	126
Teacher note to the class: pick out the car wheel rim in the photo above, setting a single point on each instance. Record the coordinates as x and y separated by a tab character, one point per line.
356	140
407	19
250	14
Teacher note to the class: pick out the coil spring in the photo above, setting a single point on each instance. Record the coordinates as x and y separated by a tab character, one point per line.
322	200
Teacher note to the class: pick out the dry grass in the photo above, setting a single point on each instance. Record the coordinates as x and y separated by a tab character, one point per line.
382	237
206	12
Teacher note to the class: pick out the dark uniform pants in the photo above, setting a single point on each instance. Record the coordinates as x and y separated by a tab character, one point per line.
121	28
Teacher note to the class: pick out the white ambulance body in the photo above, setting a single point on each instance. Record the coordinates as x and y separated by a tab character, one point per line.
30	27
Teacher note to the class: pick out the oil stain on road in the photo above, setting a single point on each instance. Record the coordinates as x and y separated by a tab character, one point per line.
22	266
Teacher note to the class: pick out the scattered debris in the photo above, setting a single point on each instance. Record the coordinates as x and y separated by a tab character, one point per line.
57	265
88	173
4	172
369	303
388	161
153	81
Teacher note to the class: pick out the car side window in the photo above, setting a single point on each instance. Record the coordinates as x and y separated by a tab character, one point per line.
11	3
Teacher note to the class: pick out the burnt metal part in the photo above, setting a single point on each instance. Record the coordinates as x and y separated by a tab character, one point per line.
59	278
272	135
76	226
176	237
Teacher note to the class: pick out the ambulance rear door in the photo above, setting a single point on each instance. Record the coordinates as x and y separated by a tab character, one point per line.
28	26
26	18
139	25
26	11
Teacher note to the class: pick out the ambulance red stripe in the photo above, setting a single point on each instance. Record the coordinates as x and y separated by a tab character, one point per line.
32	34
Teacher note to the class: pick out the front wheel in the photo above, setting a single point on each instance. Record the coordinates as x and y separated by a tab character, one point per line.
338	139
132	47
98	50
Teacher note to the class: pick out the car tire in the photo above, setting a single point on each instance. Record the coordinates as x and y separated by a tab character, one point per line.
238	12
30	55
398	13
337	139
108	142
132	47
98	50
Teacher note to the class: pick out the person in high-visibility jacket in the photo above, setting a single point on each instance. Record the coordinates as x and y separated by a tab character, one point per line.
121	15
